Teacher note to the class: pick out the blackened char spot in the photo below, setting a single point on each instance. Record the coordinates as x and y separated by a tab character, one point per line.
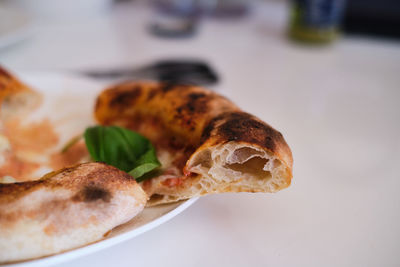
195	96
4	73
209	128
194	103
92	193
151	94
242	127
197	102
125	99
167	86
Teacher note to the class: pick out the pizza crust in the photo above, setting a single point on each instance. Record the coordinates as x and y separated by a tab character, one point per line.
213	146
66	209
16	98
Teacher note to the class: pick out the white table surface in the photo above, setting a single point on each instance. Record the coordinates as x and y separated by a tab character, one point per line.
338	108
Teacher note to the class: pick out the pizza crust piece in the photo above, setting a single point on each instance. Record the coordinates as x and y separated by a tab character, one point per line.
66	209
206	143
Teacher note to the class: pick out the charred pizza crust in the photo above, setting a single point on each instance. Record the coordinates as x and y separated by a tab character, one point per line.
66	209
205	142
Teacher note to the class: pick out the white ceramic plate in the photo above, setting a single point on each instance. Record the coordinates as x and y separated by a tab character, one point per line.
15	26
68	102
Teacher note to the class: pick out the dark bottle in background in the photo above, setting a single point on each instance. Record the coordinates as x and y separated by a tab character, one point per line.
372	18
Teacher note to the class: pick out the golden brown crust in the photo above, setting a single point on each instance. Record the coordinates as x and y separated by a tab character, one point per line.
191	112
243	127
16	95
103	177
10	85
182	110
65	209
187	120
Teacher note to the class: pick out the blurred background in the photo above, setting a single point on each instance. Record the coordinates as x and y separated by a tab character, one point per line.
326	73
116	28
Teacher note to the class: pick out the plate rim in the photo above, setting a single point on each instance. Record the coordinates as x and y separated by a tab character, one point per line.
104	243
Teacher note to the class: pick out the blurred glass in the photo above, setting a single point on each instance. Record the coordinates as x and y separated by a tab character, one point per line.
315	21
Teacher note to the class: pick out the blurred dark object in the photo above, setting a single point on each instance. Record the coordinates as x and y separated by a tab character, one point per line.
178	71
315	21
173	26
372	17
197	8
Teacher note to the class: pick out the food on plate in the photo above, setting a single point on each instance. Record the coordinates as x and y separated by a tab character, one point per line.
20	142
28	147
65	209
15	97
205	143
122	148
178	141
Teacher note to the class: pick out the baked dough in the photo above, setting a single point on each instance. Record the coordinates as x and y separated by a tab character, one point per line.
65	209
205	143
16	98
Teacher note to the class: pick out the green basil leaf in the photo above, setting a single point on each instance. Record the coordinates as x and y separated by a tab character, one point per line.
121	148
141	170
93	140
146	163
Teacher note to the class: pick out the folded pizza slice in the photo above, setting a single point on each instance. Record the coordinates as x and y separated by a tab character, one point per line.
66	209
205	143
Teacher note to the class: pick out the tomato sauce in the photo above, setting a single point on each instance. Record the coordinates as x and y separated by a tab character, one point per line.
37	138
72	156
34	137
